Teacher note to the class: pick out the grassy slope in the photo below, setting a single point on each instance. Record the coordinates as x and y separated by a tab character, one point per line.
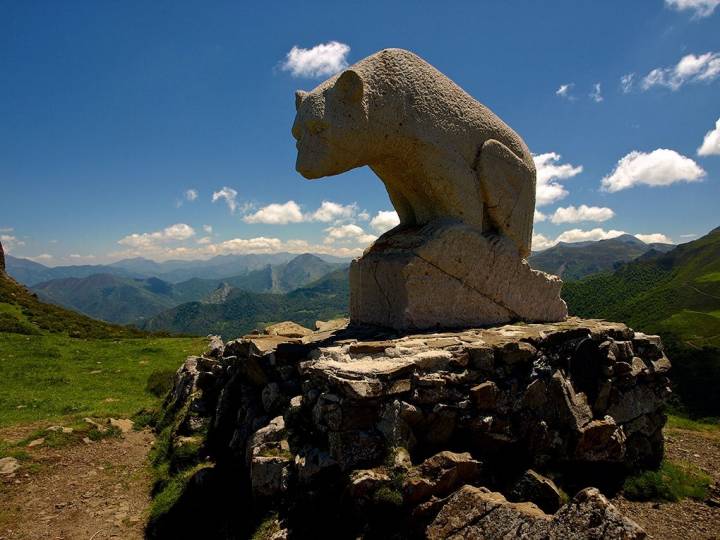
57	363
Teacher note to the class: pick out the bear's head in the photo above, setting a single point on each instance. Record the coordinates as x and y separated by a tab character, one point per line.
331	127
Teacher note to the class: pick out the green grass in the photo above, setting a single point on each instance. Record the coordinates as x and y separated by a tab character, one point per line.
703	424
707	278
672	482
52	376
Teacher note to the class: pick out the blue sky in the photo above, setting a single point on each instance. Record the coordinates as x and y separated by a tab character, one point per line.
111	111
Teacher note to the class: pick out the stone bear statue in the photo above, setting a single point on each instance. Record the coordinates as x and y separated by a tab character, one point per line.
439	152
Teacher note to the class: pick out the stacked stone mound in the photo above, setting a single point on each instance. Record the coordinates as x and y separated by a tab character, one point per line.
2	259
348	432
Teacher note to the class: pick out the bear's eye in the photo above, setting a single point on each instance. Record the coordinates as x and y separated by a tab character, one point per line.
316	126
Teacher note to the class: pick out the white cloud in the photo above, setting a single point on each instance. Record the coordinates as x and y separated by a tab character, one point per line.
10	242
690	69
174	233
564	91
348	233
229	195
711	143
204	240
191	194
44	257
76	257
626	82
579	235
689	235
208	229
540	242
596	94
549	171
700	8
6	230
276	214
324	59
538	216
660	167
363	216
573	214
654	238
384	220
331	211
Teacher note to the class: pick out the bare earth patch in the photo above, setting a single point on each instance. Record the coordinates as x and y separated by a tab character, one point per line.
687	519
96	490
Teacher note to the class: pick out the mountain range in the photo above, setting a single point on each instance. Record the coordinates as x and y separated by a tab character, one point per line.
31	273
122	298
572	261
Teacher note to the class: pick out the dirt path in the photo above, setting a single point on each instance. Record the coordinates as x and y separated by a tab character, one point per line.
94	490
687	519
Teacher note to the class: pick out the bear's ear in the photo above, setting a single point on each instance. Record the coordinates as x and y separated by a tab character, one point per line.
299	96
349	86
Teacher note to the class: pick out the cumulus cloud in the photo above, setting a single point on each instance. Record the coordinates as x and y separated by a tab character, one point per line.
191	194
331	211
690	69
541	242
596	94
321	60
580	235
384	220
348	233
573	214
229	195
276	214
174	233
626	82
564	91
549	172
711	143
654	238
208	229
538	216
700	8
660	167
76	257
9	241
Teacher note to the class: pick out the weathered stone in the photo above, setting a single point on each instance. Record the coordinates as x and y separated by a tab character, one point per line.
269	475
215	347
355	448
331	326
9	465
287	329
538	489
601	440
439	475
573	409
478	513
363	483
485	395
448	274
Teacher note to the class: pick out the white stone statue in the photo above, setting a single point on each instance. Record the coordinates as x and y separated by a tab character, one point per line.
454	172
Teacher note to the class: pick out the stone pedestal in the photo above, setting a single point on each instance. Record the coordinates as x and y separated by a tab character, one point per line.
449	275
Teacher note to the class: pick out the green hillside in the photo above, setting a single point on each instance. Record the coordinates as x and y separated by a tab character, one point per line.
676	294
244	311
573	261
127	300
22	313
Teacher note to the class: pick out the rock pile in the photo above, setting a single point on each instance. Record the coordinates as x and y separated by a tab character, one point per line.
351	431
2	259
